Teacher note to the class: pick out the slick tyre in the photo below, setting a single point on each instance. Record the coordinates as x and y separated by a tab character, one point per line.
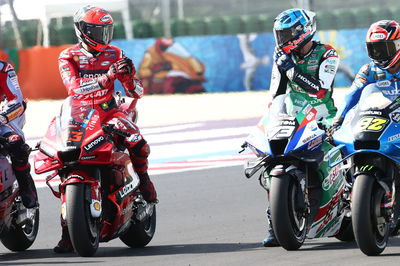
83	228
140	234
287	221
21	237
371	231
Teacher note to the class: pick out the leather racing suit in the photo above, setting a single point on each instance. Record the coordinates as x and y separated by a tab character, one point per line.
370	73
314	81
12	120
84	76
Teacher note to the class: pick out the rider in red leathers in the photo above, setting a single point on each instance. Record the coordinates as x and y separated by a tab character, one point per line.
88	70
12	119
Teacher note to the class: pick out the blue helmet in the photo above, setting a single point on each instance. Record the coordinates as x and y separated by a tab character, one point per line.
293	28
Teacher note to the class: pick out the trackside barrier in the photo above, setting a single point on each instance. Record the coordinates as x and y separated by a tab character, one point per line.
229	62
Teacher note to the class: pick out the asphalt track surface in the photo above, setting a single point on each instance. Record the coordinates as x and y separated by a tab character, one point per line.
205	217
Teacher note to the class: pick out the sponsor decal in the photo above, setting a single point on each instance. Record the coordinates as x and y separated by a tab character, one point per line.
330	179
8	67
307	139
365	69
313	62
91	75
307	81
379	76
384	83
330	53
394	137
377	36
105	18
299	102
390	91
312	68
85	89
370	113
287	123
76	58
330	69
315	143
138	89
331	61
90	157
126	190
301	62
94	144
307	109
135	138
105	63
361	79
395	116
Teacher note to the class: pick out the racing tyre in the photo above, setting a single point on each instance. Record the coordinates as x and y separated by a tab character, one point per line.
287	212
21	236
369	224
83	228
140	234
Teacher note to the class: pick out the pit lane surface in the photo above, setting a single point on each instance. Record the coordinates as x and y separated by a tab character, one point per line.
205	217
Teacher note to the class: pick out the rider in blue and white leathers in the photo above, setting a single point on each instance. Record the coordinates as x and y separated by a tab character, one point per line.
383	46
12	119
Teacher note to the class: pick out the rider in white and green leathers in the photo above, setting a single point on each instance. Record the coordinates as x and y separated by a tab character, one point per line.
302	66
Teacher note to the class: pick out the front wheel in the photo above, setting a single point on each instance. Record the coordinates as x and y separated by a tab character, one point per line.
21	236
140	234
370	227
83	228
287	212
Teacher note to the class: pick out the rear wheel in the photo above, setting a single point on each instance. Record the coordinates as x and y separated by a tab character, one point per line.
21	236
83	228
287	212
371	229
140	234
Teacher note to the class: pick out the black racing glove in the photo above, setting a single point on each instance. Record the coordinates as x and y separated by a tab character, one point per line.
337	123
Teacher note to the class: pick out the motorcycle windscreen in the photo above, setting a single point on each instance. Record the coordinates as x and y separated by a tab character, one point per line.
74	120
372	116
287	114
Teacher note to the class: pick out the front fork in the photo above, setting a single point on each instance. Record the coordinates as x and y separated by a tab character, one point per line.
302	195
391	206
93	195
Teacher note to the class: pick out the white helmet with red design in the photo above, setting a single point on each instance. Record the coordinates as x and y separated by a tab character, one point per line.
94	26
383	43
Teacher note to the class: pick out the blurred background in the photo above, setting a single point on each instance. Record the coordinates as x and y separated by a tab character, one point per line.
184	17
208	45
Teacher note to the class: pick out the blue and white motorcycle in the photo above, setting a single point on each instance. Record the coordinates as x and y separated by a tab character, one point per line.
369	139
305	194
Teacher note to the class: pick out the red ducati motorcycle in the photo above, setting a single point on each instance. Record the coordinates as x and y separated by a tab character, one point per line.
100	199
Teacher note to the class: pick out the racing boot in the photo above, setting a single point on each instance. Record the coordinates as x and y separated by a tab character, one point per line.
270	240
147	189
27	186
64	245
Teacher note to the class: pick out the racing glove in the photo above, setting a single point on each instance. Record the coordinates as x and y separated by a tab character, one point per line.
337	123
283	60
121	67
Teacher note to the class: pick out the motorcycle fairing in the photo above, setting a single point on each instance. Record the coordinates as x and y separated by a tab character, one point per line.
371	126
290	117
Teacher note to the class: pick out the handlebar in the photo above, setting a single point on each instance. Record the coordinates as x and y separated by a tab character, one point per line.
110	129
